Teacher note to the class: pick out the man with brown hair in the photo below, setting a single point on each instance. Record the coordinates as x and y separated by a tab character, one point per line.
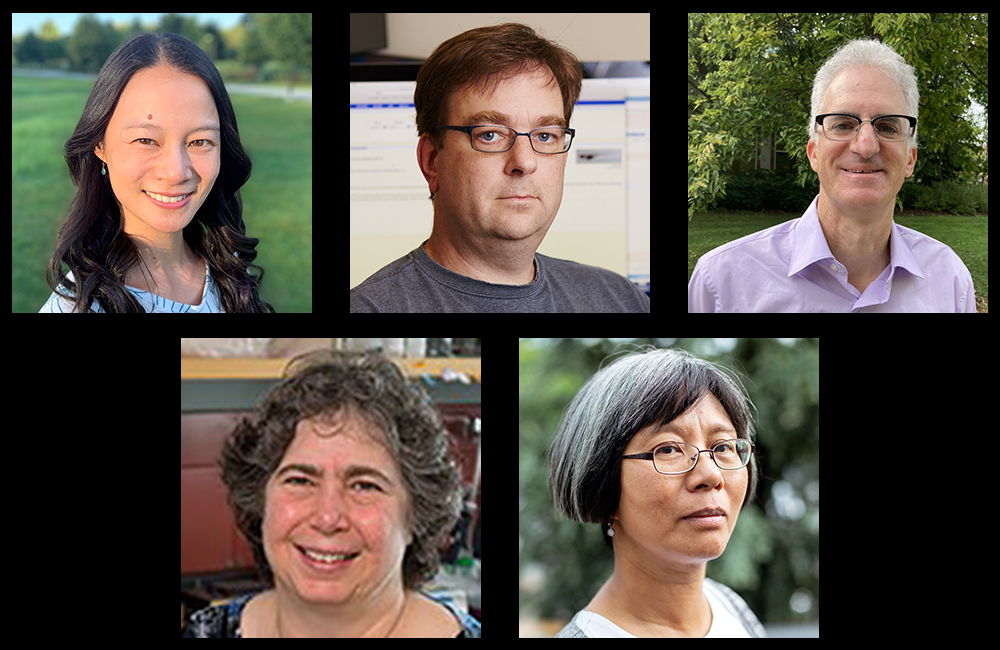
495	195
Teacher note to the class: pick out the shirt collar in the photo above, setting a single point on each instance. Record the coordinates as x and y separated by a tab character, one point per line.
809	246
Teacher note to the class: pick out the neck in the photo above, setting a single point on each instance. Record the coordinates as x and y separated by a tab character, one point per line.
375	617
652	600
858	239
168	262
495	261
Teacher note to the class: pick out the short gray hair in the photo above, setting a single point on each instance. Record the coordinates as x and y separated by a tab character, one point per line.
863	52
635	391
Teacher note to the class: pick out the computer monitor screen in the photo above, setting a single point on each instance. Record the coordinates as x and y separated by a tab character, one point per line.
604	216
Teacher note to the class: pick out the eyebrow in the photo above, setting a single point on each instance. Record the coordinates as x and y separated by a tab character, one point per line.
495	117
210	126
715	427
352	471
874	117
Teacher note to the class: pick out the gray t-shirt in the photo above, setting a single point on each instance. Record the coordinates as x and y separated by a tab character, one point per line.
416	283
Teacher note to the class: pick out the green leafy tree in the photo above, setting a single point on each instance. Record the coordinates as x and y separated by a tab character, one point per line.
750	75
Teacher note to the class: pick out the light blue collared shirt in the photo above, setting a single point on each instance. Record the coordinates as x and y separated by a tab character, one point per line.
789	268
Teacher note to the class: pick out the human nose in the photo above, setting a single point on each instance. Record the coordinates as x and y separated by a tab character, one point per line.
329	510
706	469
175	165
866	144
521	156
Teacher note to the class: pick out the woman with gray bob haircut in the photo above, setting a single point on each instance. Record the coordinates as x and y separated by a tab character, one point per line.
628	456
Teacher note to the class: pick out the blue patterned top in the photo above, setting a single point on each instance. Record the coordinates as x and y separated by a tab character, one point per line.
223	621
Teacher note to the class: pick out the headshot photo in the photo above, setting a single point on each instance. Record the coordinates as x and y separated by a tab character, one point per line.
890	185
495	134
344	485
658	450
156	225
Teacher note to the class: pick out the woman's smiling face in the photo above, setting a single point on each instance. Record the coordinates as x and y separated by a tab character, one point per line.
163	138
653	520
338	494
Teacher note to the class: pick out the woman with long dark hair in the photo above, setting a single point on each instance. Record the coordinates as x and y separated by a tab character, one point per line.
157	222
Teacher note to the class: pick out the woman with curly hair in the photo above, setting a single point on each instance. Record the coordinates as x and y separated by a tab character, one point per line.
342	484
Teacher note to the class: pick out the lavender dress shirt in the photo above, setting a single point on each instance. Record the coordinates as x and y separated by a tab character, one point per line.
789	268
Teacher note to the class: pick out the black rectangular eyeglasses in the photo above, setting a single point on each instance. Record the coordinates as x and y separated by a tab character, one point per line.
888	128
490	138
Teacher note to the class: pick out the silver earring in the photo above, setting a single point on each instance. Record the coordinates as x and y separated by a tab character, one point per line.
611	531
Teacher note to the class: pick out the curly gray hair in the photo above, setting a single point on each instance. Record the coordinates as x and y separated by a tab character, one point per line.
373	386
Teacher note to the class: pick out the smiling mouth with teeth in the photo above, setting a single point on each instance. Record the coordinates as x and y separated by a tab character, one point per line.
168	199
328	558
861	171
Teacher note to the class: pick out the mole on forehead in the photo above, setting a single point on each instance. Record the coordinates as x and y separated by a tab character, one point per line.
149	117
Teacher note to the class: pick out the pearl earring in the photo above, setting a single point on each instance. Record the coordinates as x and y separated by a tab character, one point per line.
611	531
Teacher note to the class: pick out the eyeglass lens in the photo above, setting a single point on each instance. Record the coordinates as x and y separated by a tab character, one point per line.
498	138
678	457
844	127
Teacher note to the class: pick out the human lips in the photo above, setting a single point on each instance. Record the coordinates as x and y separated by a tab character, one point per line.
167	197
328	555
707	519
861	170
707	512
167	202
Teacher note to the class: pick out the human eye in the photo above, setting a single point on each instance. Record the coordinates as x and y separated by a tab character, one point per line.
545	136
888	126
365	486
668	449
297	481
144	141
205	143
492	134
489	135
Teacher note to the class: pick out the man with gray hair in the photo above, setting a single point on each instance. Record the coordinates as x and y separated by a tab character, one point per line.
846	254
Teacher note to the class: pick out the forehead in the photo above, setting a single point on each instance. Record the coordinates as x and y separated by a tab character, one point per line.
865	92
170	96
705	419
524	97
334	441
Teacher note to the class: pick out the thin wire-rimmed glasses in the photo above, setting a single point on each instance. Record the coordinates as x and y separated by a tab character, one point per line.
888	128
490	138
680	457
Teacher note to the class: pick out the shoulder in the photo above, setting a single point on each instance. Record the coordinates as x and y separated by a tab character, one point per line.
571	631
938	256
742	270
437	616
62	301
584	288
760	246
218	621
387	289
735	618
58	304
